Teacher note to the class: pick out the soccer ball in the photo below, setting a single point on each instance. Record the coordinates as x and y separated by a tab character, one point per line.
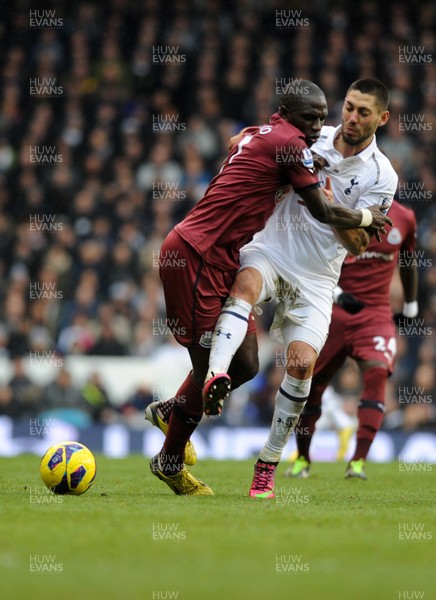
68	468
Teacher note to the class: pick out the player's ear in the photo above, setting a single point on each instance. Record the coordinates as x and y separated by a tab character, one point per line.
384	118
283	111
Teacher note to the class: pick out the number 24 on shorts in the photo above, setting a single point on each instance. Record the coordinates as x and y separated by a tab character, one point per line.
389	349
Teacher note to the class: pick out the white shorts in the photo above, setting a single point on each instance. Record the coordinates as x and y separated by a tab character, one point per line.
304	305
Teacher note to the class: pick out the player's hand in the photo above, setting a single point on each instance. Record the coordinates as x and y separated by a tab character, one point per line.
328	193
319	162
327	189
349	303
373	232
234	140
379	220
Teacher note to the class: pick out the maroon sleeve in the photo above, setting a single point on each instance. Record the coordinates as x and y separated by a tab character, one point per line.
300	170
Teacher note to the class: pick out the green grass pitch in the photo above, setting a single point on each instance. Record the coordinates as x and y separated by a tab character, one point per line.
129	537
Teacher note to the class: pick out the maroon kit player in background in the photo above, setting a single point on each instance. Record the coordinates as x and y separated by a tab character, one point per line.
362	327
237	203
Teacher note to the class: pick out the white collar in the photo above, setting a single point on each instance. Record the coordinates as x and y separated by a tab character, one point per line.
364	155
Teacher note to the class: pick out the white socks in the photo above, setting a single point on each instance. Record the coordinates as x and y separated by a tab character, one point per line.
230	332
290	400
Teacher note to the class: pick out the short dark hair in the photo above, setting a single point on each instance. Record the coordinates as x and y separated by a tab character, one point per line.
374	87
298	93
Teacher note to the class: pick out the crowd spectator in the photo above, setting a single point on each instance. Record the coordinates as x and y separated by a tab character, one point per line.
133	109
95	394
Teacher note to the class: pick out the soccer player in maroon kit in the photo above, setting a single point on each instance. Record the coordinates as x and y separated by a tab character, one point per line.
362	327
200	257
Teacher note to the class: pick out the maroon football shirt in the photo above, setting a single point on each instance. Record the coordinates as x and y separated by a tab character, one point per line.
369	275
240	199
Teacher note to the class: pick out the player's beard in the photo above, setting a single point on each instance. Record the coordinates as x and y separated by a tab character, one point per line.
352	141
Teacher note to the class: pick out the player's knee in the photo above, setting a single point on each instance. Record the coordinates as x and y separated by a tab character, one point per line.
317	390
311	410
199	368
300	369
247	285
299	372
198	376
374	383
300	360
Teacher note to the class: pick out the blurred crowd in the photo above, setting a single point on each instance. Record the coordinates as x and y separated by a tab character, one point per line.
114	117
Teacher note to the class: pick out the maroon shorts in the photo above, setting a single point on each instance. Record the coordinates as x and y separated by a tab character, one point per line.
194	291
368	335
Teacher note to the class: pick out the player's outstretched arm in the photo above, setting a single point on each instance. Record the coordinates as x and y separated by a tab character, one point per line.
340	216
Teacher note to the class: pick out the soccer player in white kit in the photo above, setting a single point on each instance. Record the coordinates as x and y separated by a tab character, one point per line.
297	261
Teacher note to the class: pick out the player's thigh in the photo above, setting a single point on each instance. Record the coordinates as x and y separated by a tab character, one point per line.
194	293
259	274
179	266
334	351
373	339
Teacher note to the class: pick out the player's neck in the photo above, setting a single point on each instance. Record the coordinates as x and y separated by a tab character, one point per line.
346	149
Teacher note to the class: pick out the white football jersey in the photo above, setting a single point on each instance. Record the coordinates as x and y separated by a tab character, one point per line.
294	241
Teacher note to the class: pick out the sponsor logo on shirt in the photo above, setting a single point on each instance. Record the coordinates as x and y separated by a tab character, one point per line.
353	182
394	236
307	159
372	254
